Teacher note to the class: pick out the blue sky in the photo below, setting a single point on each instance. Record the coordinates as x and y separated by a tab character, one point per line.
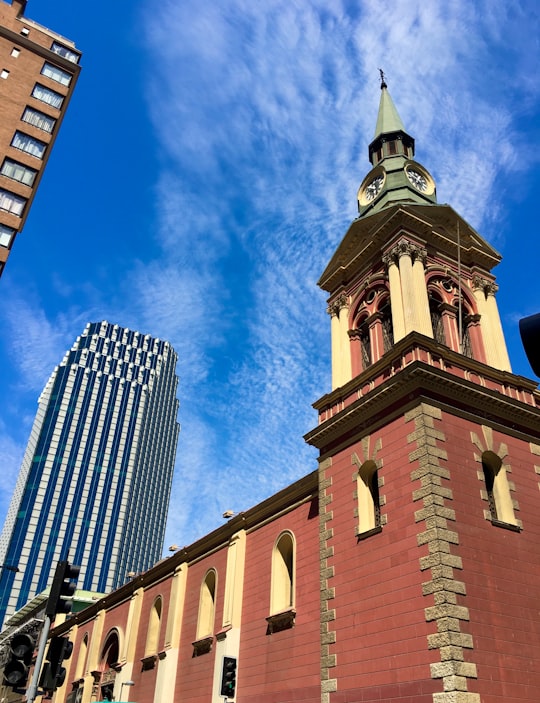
207	168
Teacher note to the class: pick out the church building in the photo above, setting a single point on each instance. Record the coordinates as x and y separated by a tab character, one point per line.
406	567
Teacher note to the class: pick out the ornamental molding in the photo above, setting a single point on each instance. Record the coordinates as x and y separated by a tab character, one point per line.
485	285
405	248
340	303
365	406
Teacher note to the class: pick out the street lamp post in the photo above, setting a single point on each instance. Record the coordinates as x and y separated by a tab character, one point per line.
125	683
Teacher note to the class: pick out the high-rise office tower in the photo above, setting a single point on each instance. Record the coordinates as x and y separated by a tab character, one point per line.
96	475
38	72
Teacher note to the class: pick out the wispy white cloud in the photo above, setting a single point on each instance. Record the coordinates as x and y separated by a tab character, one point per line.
268	110
262	115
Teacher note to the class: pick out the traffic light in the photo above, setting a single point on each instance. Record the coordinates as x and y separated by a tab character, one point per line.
228	677
53	674
63	587
21	651
529	329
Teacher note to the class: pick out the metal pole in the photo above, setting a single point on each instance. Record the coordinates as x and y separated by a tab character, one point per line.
32	689
460	311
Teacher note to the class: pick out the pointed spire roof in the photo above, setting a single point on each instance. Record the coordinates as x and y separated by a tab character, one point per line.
389	127
388	120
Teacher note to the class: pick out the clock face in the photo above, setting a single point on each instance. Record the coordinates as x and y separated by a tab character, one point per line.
418	179
373	188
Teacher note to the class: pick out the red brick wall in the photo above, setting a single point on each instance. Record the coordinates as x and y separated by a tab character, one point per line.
501	568
195	674
284	666
381	632
145	681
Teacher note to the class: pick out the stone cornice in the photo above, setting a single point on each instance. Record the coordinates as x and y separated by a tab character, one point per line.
437	225
282	502
417	368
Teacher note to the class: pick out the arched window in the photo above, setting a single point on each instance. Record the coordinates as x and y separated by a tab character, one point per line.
387	327
365	343
464	321
436	318
283	562
207	603
498	491
367	484
108	664
154	625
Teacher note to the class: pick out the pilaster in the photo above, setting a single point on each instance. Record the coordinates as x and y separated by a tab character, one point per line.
443	588
328	614
341	353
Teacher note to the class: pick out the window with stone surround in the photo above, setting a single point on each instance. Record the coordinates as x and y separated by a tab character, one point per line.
283	561
282	588
207	605
154	626
369	510
499	498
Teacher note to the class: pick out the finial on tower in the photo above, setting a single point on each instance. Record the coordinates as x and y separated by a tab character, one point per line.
383	79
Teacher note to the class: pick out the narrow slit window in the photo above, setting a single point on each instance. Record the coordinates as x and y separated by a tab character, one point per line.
501	508
369	510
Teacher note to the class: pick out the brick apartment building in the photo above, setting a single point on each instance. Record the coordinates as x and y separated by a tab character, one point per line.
406	568
38	73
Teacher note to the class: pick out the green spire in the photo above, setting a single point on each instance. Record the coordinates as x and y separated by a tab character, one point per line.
388	120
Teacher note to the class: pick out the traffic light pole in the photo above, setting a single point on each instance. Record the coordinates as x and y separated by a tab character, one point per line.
32	689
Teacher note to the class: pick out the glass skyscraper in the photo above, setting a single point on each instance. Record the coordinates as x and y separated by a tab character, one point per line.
95	481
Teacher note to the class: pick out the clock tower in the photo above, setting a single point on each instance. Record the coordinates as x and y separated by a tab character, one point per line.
429	456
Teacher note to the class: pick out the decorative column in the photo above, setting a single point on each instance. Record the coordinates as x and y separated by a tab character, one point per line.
404	251
497	330
228	638
396	302
490	323
423	318
341	354
167	671
91	674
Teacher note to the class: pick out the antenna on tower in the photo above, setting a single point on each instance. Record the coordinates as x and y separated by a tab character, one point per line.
460	308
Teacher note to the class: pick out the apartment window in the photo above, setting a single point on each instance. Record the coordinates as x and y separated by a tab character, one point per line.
56	74
28	144
18	172
15	52
66	53
38	119
6	235
11	202
46	95
4	74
